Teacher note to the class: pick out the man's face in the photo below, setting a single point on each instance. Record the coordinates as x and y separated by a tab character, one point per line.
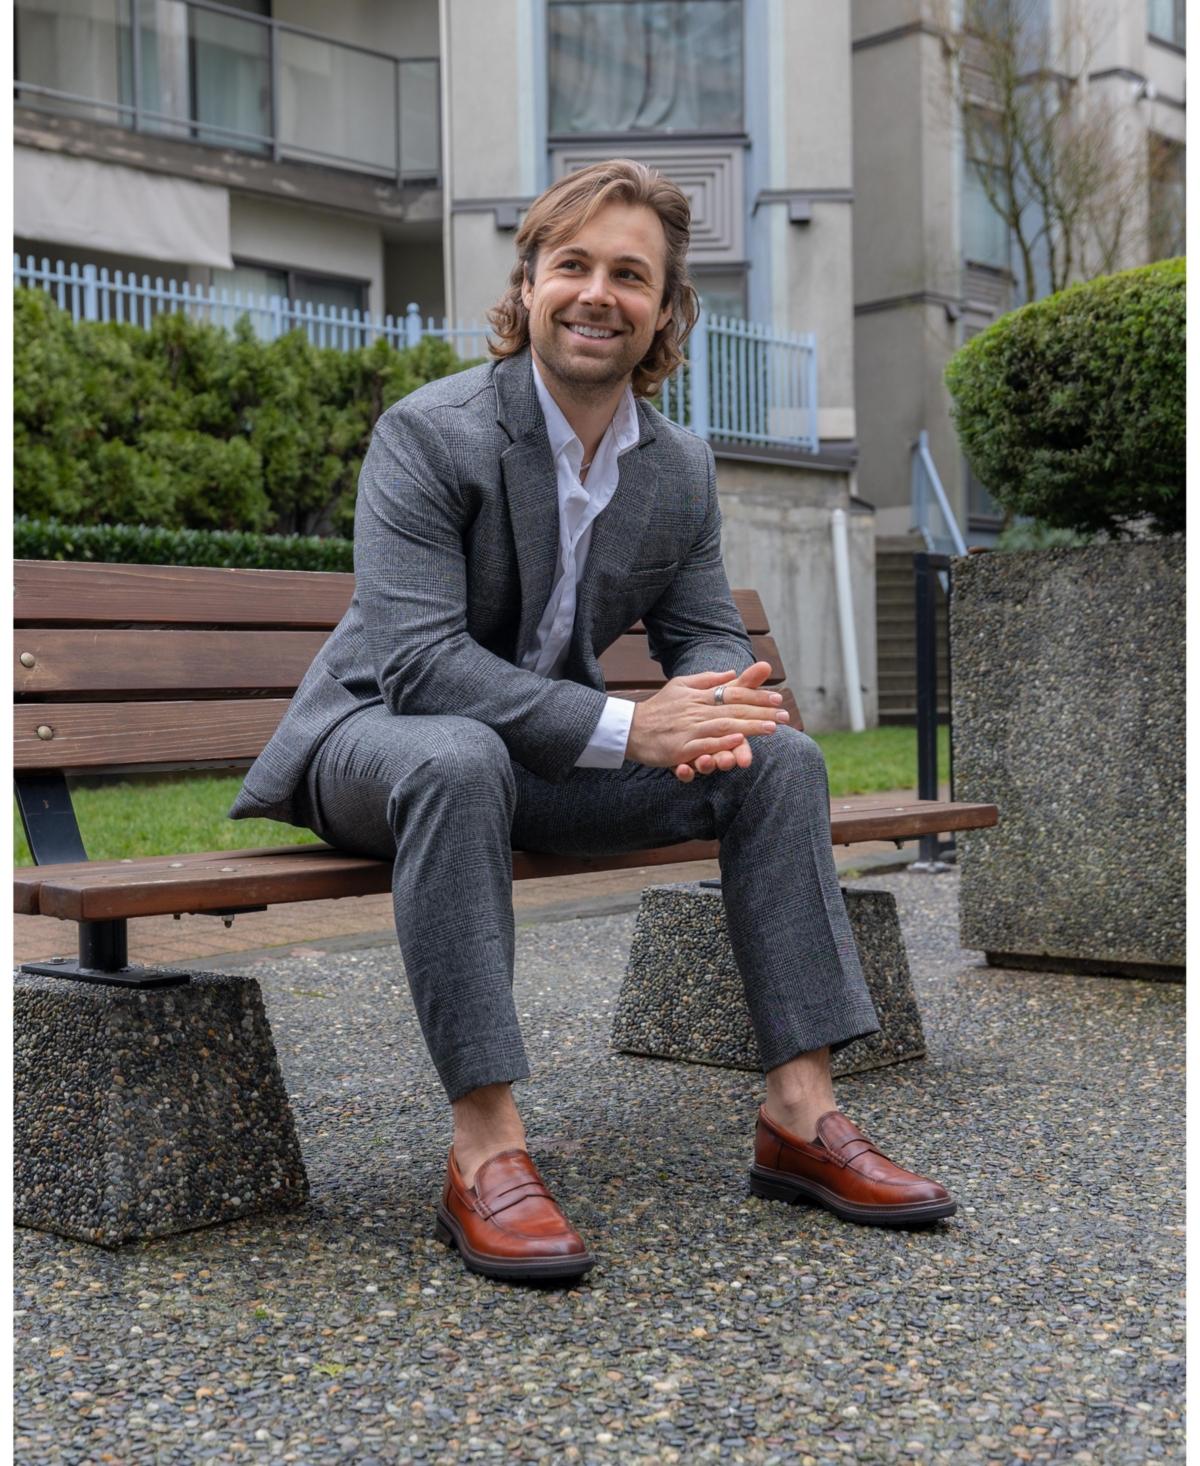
595	302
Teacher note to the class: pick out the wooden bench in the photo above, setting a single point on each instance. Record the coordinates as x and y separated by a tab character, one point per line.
125	668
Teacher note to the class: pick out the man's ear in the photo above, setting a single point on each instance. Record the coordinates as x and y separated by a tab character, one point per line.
664	316
526	287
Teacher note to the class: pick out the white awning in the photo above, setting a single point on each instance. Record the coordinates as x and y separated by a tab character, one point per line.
103	206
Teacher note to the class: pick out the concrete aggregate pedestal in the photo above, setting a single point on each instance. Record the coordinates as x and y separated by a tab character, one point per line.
138	1114
1068	715
682	996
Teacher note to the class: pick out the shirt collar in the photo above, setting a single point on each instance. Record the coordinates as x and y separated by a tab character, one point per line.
624	427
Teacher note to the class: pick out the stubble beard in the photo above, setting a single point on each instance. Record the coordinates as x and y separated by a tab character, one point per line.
588	379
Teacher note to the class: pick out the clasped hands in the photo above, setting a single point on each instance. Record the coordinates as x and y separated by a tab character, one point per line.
682	729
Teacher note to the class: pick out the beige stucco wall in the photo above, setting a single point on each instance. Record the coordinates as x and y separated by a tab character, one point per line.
906	250
808	146
487	146
777	539
308	239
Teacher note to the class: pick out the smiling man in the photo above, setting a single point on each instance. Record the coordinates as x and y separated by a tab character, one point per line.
512	521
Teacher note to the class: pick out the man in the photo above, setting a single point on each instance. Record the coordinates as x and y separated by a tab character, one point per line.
512	521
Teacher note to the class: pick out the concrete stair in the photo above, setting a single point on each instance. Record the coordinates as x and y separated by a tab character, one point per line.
896	633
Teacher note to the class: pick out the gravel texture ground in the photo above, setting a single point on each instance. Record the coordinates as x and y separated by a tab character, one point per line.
1042	1323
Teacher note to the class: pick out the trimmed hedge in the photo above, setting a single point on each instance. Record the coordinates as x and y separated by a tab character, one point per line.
185	425
1071	410
138	544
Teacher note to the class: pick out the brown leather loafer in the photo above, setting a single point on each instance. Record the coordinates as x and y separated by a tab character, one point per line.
844	1172
507	1225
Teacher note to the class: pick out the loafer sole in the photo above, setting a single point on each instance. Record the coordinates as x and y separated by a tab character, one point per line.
778	1186
506	1269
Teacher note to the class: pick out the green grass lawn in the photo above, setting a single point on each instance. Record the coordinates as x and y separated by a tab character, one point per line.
158	816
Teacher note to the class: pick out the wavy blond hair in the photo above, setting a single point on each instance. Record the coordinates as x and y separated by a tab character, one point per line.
564	208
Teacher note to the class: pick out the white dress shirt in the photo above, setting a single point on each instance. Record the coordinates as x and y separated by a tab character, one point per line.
578	506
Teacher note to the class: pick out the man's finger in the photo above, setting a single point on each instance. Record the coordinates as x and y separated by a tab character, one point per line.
752	724
707	679
754	675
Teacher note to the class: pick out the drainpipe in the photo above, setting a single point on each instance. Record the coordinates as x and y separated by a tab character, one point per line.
841	576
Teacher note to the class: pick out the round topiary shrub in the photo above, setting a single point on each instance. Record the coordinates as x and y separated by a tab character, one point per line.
1071	409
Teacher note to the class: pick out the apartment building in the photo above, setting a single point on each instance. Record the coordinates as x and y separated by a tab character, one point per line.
370	153
933	262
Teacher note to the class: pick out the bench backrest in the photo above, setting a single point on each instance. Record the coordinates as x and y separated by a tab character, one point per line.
138	667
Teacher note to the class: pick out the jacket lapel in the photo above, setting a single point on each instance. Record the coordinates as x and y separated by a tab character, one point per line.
530	488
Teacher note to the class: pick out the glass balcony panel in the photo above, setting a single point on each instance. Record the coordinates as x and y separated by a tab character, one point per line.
231	70
77	47
336	103
420	121
166	98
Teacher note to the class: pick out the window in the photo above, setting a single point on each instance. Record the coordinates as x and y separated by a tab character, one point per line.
1166	20
1168	198
985	235
655	66
295	285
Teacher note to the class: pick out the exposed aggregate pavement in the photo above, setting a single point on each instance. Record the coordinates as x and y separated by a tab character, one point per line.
1042	1323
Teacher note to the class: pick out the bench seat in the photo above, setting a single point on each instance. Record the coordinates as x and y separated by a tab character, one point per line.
107	890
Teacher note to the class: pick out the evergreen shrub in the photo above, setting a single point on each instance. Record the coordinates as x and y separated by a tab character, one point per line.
187	426
139	544
1071	410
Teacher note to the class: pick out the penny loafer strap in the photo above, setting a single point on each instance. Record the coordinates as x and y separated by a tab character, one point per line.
525	1192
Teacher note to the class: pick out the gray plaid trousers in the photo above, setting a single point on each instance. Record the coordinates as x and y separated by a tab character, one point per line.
441	797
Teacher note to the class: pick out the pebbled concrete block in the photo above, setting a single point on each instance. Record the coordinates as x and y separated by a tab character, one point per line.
1068	704
140	1114
682	995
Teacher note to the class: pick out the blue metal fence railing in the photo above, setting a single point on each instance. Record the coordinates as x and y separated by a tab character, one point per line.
745	382
742	382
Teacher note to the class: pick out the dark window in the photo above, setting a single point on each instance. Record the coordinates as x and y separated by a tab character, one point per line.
1166	19
655	66
1168	198
295	285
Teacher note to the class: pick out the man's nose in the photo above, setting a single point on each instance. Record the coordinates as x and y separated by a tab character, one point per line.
597	290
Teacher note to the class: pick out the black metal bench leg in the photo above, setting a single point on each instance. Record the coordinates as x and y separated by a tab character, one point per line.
104	958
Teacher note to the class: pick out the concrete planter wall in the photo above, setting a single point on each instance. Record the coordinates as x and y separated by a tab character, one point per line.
777	537
1068	708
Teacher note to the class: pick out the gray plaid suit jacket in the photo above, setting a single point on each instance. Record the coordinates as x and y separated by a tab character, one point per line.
455	548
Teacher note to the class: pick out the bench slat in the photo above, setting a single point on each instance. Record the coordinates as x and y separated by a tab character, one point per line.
73	593
99	891
189	734
89	735
122	664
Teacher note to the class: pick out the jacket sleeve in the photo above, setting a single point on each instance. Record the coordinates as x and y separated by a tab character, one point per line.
411	587
694	625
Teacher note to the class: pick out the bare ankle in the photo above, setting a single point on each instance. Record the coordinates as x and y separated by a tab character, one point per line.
800	1092
486	1122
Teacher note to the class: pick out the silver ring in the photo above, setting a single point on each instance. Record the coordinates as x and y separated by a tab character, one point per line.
718	695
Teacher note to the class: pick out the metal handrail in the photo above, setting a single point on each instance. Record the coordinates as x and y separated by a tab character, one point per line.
924	472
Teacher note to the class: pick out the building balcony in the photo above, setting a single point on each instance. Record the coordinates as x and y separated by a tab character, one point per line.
205	73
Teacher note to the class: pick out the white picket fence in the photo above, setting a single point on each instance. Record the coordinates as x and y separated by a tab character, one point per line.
743	382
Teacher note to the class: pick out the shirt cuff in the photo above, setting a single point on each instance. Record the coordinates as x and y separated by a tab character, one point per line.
606	747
